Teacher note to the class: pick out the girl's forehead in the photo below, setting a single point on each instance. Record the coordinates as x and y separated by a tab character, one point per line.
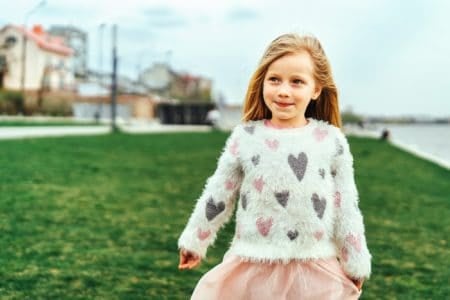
300	62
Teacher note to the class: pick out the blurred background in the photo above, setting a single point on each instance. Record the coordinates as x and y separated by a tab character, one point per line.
178	60
99	217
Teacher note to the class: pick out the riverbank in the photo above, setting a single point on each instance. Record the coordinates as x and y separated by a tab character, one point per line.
421	140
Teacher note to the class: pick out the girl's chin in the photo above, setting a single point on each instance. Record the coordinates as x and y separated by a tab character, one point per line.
282	116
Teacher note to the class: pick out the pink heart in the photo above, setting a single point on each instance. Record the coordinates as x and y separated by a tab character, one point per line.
344	254
320	134
273	144
229	185
318	235
238	230
354	241
234	148
203	235
264	225
337	199
259	184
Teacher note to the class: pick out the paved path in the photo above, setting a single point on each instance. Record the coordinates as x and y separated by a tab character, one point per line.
58	131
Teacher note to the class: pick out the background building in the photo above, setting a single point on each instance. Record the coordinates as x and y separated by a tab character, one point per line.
77	40
46	64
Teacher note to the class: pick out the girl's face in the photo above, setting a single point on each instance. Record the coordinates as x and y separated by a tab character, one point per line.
288	88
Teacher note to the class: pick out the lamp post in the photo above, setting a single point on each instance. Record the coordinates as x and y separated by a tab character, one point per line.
24	45
101	27
114	79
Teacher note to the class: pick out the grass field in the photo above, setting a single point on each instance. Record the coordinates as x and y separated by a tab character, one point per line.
99	217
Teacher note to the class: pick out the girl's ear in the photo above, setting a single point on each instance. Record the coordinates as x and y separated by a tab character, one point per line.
317	93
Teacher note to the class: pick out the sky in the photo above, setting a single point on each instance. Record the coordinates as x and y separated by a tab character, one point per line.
389	58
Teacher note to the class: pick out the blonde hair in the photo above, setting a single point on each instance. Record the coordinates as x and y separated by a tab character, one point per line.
326	106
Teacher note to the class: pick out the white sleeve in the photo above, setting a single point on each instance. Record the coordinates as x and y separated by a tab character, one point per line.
215	206
349	230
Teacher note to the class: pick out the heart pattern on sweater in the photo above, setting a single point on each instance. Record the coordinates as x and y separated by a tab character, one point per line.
255	159
250	129
318	235
333	172
230	185
339	148
259	184
355	241
292	234
320	134
319	205
244	201
264	225
337	199
238	230
344	254
203	235
298	164
322	173
272	144
212	209
282	197
234	147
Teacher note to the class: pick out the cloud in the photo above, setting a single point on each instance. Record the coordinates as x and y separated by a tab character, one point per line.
164	17
239	14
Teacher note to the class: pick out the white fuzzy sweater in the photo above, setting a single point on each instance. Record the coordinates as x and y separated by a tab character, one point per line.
297	197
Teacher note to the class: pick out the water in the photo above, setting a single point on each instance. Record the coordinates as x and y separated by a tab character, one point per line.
432	139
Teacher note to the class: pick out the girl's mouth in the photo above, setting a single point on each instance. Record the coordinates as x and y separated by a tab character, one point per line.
283	104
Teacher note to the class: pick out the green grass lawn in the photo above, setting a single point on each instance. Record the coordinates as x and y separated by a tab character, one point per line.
99	217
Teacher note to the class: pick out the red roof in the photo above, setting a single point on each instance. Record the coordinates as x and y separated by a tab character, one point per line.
45	41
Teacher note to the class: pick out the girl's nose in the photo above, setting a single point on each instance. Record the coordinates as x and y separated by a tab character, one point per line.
283	90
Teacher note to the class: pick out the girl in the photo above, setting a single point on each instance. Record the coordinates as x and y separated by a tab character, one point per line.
299	231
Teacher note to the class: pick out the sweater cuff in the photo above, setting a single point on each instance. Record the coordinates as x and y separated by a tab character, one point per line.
357	266
189	241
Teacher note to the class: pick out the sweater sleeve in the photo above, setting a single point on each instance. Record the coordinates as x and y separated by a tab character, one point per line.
349	230
215	205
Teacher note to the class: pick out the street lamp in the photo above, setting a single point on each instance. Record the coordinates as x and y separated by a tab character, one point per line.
101	27
24	44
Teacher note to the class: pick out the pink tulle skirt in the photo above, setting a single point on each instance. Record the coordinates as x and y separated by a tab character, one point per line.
236	279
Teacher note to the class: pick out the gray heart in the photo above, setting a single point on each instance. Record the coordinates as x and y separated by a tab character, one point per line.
212	209
255	159
339	148
282	197
298	165
292	234
244	201
319	205
250	129
322	173
333	172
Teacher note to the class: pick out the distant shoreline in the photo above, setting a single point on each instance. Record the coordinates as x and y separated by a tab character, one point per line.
375	133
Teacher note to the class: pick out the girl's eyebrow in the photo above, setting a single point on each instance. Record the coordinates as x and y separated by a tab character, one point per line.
295	75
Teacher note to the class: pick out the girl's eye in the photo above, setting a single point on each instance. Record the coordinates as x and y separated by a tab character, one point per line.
297	81
273	79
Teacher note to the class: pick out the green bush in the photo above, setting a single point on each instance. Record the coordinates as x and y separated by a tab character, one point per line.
56	107
11	102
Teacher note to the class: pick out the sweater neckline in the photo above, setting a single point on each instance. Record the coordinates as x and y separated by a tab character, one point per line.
268	124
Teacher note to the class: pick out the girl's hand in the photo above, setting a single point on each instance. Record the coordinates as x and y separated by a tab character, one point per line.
358	283
188	260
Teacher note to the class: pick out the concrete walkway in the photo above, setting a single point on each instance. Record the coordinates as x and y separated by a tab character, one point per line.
50	131
59	131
